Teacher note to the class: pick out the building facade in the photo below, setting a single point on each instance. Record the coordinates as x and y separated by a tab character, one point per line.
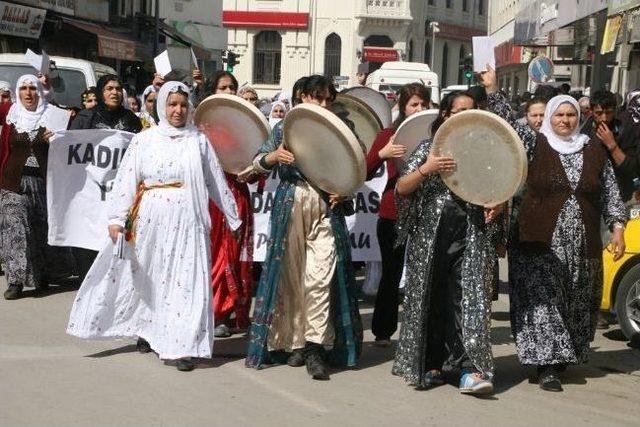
280	41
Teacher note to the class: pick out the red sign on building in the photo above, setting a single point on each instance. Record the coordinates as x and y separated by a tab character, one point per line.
380	54
286	20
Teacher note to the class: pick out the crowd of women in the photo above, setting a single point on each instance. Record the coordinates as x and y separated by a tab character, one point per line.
184	274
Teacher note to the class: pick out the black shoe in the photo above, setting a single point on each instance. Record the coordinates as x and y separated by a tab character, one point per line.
143	346
13	292
185	365
316	366
548	379
603	322
297	358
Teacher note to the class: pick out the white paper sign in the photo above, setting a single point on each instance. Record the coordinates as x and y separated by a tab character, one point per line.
39	62
162	63
57	118
483	54
194	59
81	167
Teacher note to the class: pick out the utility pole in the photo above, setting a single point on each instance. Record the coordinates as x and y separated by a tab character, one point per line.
434	29
156	38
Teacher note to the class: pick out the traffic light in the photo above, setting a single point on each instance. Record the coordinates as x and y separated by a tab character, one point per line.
230	59
467	68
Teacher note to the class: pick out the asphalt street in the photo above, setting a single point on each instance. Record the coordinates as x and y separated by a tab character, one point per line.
51	379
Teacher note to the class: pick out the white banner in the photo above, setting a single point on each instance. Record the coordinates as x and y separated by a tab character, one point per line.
362	226
80	171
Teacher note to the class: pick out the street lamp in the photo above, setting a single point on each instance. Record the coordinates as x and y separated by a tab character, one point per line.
435	28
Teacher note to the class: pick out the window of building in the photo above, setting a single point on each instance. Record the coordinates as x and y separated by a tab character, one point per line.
480	7
460	66
431	2
427	54
448	3
332	53
465	6
445	68
266	58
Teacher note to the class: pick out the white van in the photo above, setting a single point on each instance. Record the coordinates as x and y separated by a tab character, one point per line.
69	76
391	76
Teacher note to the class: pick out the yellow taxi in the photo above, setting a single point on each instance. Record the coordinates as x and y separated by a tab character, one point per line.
621	290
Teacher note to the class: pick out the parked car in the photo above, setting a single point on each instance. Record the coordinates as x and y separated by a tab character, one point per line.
69	76
391	76
621	290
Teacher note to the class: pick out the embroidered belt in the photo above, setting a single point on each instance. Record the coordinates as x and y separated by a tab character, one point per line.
132	216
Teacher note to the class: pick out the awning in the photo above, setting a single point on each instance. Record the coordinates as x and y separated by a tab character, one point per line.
282	20
199	50
380	54
110	44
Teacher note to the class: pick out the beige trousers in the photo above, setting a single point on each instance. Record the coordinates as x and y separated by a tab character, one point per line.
302	311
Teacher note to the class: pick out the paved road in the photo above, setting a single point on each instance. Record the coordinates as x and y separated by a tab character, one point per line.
48	378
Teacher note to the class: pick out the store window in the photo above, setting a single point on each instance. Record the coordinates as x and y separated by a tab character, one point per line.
332	54
266	58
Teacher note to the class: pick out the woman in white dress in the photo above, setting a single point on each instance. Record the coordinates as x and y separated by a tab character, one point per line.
158	286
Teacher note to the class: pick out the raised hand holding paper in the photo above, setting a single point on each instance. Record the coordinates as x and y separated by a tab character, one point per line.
39	62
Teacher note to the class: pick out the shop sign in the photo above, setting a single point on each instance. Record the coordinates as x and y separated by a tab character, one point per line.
21	21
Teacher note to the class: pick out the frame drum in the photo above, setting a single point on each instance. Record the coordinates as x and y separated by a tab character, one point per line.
415	129
235	128
365	120
325	149
374	99
491	160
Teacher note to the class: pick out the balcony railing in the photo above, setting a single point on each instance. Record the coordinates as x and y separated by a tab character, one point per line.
387	8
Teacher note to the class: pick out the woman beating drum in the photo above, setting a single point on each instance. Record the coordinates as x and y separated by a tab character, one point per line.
306	296
232	271
556	283
161	290
413	98
449	258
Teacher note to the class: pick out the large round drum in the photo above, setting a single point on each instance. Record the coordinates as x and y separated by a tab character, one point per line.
374	99
415	129
491	160
365	121
325	149
235	127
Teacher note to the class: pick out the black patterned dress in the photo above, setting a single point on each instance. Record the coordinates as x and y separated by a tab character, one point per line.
555	295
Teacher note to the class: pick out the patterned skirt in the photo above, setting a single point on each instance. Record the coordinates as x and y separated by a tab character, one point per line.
23	232
23	237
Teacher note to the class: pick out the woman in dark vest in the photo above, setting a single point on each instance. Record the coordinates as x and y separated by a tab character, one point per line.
556	262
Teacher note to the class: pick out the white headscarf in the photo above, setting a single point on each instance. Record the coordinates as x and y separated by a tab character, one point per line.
145	93
23	119
285	98
562	144
6	87
273	120
165	128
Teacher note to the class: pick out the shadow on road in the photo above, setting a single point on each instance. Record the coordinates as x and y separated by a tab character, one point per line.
129	348
53	289
510	373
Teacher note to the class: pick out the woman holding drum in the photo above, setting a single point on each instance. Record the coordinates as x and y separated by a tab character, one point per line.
449	262
413	98
306	296
556	283
232	271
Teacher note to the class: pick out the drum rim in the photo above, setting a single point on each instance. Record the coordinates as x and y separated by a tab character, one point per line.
405	124
221	98
245	107
350	90
327	117
522	155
